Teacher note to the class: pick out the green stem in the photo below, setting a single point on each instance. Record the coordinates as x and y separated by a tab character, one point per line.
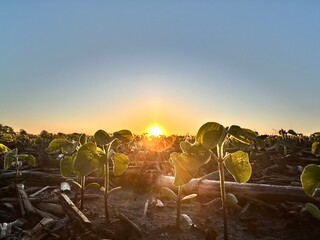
222	191
178	207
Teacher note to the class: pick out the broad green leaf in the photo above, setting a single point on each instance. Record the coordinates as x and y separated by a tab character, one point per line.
120	163
292	132
185	167
8	159
314	210
167	192
238	165
310	179
243	135
95	186
184	145
102	138
7	137
315	147
210	134
57	144
124	135
86	160
83	139
200	153
232	200
190	196
31	160
3	148
69	148
66	166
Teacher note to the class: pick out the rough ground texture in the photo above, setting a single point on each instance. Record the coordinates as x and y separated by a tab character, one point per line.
256	220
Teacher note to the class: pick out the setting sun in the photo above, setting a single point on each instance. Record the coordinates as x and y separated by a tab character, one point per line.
155	131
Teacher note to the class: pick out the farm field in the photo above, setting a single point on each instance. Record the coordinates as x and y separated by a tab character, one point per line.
265	192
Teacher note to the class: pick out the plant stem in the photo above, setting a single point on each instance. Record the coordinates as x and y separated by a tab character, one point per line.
106	185
17	171
83	183
222	191
178	207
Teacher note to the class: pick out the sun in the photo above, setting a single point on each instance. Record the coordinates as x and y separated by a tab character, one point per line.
155	131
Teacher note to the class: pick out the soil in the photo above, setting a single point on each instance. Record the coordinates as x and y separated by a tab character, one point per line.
201	216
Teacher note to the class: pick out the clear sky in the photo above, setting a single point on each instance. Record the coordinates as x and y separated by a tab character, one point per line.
79	66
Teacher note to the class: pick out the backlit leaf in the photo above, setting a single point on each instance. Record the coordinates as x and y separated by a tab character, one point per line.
120	163
83	139
314	210
7	137
310	179
190	196
232	200
66	166
292	132
124	135
8	159
185	167
86	159
243	135
167	192
57	144
3	148
102	138
69	148
315	146
184	145
238	165
210	134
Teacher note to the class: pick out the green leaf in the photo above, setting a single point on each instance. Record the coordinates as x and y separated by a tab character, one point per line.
292	132
238	165
83	139
124	135
57	144
310	179
102	138
3	148
200	153
28	158
95	186
232	200
314	210
120	163
315	146
8	159
70	148
66	166
243	135
167	192
184	145
86	160
210	134
31	160
7	137
190	196
185	167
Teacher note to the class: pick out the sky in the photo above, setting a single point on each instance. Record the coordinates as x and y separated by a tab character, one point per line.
79	66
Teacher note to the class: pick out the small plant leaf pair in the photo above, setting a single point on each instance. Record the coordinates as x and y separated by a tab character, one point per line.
167	192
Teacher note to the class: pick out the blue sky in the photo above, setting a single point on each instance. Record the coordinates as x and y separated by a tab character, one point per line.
79	66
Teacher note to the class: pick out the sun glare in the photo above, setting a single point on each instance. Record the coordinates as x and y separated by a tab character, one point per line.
155	131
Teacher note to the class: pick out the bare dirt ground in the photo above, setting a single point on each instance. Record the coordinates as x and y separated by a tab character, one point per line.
258	219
